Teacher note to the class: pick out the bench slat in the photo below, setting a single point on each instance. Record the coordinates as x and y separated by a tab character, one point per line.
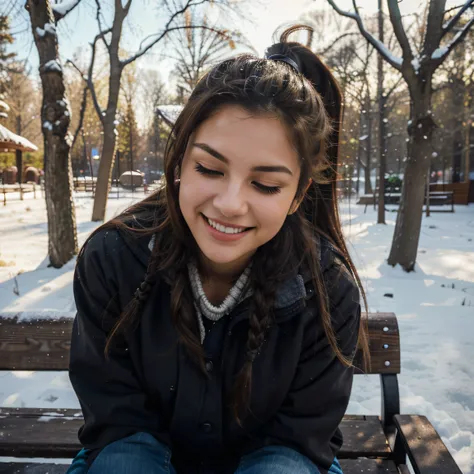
368	466
428	454
32	468
43	344
34	432
363	436
349	466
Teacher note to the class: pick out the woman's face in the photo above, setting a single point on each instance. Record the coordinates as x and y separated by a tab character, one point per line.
239	179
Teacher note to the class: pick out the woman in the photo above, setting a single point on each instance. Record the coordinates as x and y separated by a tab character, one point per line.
217	319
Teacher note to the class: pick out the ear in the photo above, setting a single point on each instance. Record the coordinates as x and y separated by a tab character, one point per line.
297	202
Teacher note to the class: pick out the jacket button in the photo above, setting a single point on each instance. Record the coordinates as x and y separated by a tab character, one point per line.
209	366
206	427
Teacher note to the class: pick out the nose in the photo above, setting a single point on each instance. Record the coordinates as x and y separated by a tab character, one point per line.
230	201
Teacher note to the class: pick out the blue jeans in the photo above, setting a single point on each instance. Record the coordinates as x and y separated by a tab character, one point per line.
141	453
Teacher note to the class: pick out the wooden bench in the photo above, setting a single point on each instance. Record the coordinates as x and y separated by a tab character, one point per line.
372	444
437	198
17	188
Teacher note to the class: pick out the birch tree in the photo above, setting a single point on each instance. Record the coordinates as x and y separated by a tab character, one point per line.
417	70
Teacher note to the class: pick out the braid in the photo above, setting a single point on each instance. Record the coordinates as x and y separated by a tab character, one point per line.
131	312
182	312
267	273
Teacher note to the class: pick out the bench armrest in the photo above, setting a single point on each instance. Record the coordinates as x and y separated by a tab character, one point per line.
427	452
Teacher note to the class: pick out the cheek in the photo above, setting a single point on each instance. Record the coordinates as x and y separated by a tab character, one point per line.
271	212
193	191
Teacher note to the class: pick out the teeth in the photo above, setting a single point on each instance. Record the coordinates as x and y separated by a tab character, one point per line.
223	229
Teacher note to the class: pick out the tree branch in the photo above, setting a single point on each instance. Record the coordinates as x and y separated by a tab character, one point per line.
142	50
81	116
449	25
101	33
328	48
442	53
394	61
399	30
60	10
88	79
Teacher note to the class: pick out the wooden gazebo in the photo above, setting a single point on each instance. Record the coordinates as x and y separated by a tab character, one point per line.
11	142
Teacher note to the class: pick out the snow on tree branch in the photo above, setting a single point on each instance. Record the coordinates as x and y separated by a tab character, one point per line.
394	61
399	30
60	10
441	54
449	25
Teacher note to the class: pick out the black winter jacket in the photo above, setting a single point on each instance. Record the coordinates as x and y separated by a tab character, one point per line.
300	390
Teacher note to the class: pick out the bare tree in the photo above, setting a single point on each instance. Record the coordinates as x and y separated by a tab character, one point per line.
417	71
195	50
55	118
111	38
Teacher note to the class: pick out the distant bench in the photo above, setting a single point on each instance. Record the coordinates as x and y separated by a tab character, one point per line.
15	188
372	444
437	198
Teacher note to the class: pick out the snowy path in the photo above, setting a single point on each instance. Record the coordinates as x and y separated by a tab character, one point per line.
434	306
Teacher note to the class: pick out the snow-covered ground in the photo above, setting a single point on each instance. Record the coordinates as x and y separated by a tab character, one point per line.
434	306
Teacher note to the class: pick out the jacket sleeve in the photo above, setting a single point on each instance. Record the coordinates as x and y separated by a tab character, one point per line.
112	401
315	405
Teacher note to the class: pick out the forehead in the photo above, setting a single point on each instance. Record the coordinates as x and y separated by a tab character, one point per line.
254	139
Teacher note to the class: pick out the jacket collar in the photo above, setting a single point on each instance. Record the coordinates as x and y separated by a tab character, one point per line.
290	296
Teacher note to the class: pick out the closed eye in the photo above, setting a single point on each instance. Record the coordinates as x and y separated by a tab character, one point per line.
261	187
267	189
206	171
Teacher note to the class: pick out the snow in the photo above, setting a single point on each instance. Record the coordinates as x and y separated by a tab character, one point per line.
47	28
363	137
64	7
438	53
170	112
48	125
53	65
4	106
386	52
50	28
434	306
416	64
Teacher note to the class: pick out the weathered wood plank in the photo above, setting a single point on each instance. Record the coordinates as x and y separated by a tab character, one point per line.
427	452
384	342
40	344
43	344
32	468
350	466
39	432
368	466
36	432
363	438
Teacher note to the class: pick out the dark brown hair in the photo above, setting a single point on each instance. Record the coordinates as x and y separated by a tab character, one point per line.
309	104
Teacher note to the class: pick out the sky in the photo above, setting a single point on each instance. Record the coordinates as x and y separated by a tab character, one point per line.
263	18
266	15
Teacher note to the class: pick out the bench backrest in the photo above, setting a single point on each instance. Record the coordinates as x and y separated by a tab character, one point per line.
43	344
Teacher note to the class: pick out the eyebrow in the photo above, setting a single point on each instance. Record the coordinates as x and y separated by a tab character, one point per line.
221	157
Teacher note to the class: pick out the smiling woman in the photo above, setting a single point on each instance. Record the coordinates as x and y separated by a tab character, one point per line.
235	198
218	319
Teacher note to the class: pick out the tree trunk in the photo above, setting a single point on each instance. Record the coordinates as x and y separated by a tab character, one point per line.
55	117
458	89
381	117
408	226
368	183
104	175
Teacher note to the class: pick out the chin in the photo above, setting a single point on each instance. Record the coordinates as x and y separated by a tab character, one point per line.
222	257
